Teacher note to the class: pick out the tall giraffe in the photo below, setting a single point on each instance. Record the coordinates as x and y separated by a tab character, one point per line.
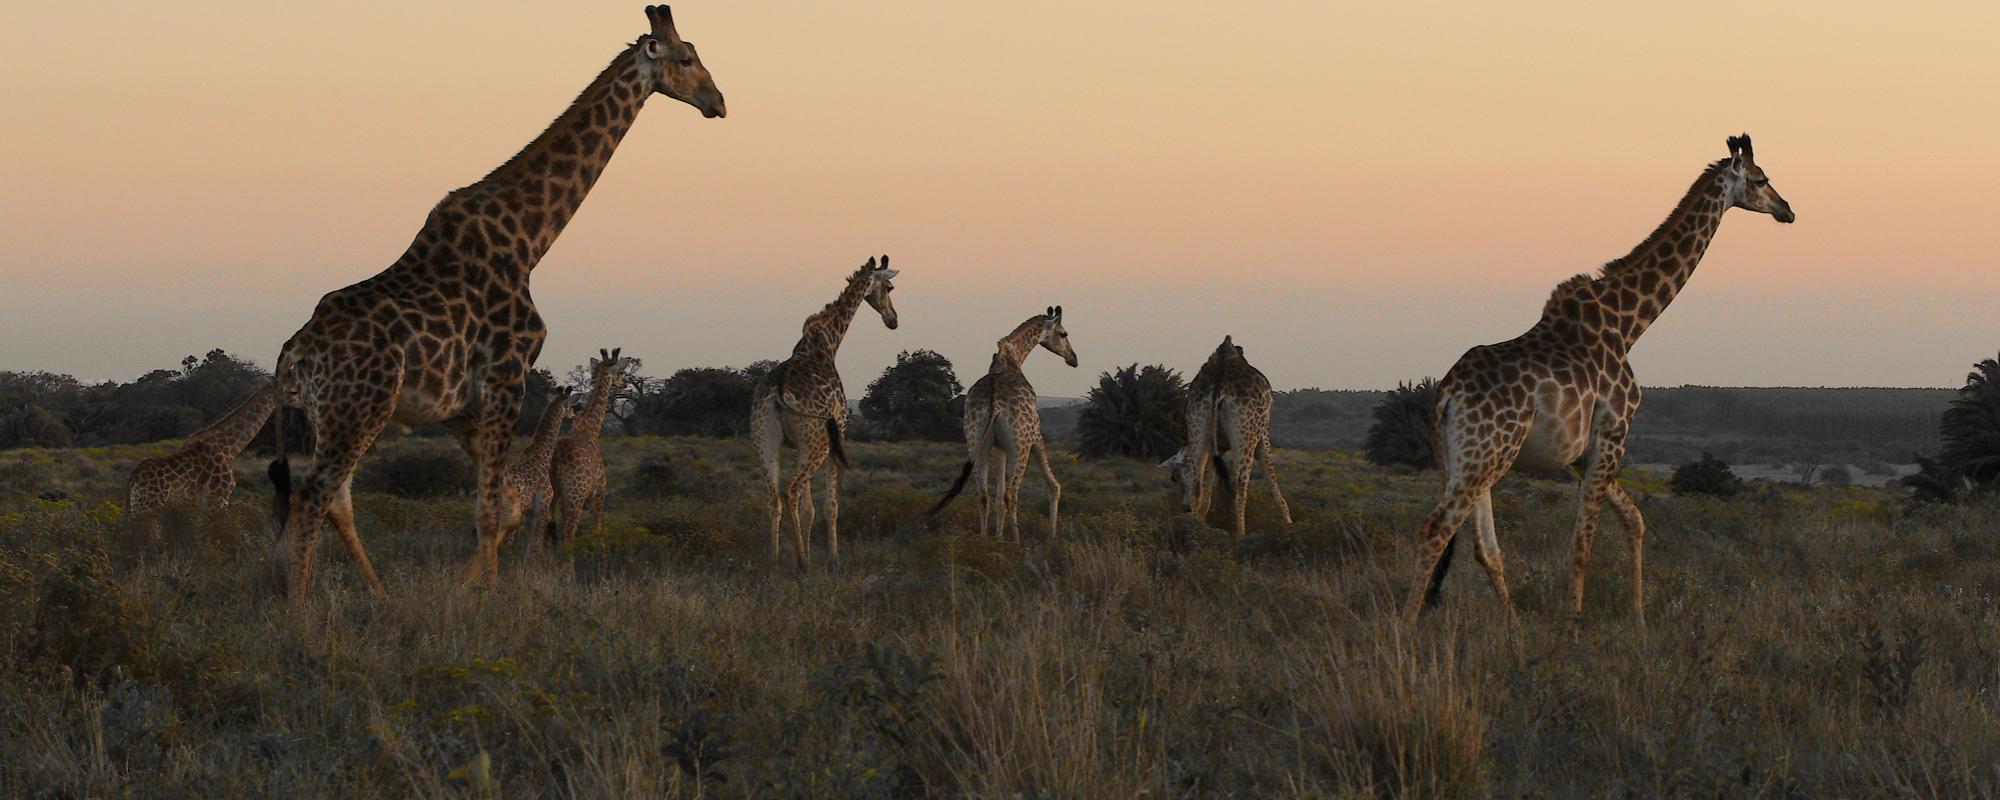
529	474
801	403
1228	411
448	332
1003	423
203	470
578	468
1562	394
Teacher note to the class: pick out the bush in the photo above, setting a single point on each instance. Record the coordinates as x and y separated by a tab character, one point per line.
1402	434
699	401
1837	475
434	471
1970	431
654	476
1707	475
1135	413
913	399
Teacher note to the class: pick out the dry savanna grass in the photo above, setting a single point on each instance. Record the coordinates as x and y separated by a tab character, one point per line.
1808	643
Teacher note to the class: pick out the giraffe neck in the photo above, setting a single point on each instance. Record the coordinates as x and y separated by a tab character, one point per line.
234	431
590	419
1633	291
544	444
545	183
824	330
1018	345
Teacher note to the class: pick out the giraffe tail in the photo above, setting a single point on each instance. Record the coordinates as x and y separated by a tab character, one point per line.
833	442
964	474
1437	573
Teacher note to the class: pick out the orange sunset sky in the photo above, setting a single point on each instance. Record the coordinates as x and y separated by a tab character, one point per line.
1357	192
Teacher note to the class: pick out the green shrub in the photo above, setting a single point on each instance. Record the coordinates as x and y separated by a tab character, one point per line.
1402	433
1707	475
1134	412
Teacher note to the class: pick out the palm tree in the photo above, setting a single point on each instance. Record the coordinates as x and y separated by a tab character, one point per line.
1134	412
1402	433
1970	429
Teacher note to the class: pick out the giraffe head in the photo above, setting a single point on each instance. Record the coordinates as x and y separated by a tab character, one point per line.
881	281
672	67
559	407
608	370
1747	185
1055	338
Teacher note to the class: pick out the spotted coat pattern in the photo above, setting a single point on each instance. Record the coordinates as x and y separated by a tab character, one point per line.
1562	395
1228	412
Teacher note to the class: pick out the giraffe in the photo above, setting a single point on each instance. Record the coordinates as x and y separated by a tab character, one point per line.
448	332
529	474
1228	410
577	470
1562	394
801	403
1002	422
203	470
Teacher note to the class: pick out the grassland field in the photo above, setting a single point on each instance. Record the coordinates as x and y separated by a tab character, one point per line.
1803	642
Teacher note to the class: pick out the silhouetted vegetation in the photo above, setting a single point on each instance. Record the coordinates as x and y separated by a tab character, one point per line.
698	401
1135	412
1706	475
913	400
1401	434
50	410
1969	457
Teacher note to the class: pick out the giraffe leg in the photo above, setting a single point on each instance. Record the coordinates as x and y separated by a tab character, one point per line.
799	494
597	511
1635	525
341	512
833	511
1017	470
1589	497
1437	531
1271	475
1239	485
768	435
984	477
341	439
1204	489
496	509
1486	550
1055	488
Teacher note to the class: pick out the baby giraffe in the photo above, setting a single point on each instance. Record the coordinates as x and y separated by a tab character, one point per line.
801	403
577	471
529	474
203	470
1003	427
1228	411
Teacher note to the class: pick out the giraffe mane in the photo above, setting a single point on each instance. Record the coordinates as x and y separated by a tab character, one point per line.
604	78
1577	283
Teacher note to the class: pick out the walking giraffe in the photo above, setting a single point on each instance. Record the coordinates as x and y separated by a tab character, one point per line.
801	403
1562	394
529	474
203	470
578	467
448	333
1003	422
1228	411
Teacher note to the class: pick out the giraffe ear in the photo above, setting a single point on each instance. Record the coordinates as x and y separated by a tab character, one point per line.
887	273
651	48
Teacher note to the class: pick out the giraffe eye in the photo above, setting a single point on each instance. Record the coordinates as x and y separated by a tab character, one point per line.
687	62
